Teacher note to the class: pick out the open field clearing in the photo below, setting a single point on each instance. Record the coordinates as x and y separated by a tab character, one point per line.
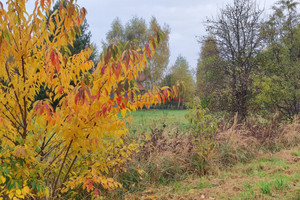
143	120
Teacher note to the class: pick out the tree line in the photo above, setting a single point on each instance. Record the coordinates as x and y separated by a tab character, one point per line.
248	62
251	64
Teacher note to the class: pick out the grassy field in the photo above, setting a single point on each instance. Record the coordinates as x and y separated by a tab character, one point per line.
143	120
267	177
243	165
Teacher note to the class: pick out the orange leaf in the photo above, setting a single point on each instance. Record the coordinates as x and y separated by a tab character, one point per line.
60	90
76	98
52	58
104	111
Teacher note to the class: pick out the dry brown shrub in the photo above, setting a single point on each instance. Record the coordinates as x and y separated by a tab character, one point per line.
241	142
235	144
290	134
170	152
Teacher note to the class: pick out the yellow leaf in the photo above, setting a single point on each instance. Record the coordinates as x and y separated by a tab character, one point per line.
2	179
10	195
147	138
140	171
18	192
25	190
152	197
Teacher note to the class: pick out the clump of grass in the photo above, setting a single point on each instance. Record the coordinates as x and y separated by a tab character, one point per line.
235	144
280	183
296	153
249	189
265	187
204	184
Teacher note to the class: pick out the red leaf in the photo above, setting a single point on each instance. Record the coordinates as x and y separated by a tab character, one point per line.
104	111
148	51
47	70
37	106
127	60
76	98
47	108
103	69
60	90
119	100
90	186
98	95
98	113
52	58
41	110
60	6
51	76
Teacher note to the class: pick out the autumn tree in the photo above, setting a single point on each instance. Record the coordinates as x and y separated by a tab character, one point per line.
54	153
116	33
136	30
180	73
82	38
211	80
236	30
278	83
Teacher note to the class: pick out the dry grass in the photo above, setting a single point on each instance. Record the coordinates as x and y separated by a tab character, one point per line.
290	136
243	181
168	160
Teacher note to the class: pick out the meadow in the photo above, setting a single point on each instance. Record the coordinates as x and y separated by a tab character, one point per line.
145	120
246	163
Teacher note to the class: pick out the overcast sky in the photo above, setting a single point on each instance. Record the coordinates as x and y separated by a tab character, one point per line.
185	18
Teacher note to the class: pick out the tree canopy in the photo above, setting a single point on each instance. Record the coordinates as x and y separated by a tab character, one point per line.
136	30
78	146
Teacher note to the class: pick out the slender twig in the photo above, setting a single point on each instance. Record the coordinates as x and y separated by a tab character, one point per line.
25	101
15	143
12	114
61	167
16	96
14	124
69	170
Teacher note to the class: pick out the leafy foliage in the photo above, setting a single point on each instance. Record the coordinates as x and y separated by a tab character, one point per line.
180	73
237	34
50	152
203	130
211	79
136	30
278	83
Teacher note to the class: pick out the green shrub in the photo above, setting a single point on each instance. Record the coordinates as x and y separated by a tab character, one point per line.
203	131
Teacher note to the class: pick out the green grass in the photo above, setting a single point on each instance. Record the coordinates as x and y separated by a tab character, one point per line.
281	182
270	177
296	153
265	187
204	184
142	120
